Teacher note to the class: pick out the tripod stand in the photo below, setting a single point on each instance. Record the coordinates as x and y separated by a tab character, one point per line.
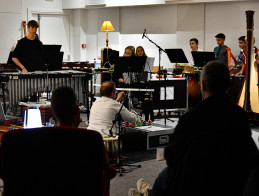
120	164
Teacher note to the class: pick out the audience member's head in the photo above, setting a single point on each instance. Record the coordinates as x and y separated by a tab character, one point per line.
140	51
220	38
214	78
108	89
129	51
64	106
194	44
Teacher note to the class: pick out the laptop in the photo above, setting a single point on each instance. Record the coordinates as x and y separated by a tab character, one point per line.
7	119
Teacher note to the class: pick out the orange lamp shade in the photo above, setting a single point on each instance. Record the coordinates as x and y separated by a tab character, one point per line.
107	26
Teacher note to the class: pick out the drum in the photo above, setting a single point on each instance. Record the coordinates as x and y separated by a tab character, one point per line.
234	70
194	92
112	147
188	69
234	90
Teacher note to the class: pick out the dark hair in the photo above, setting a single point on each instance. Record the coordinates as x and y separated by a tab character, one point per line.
64	104
107	88
195	40
215	76
242	38
220	35
144	53
33	23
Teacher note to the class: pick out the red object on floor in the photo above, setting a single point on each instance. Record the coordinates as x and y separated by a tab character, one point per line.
108	174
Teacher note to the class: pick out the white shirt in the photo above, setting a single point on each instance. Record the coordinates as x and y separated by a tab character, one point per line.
190	58
103	113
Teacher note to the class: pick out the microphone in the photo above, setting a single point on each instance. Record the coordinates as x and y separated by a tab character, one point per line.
144	33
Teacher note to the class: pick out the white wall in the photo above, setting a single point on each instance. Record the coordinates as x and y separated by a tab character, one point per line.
232	23
169	26
10	22
39	5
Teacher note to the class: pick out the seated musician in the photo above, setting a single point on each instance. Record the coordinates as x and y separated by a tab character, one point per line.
26	46
119	77
140	51
104	110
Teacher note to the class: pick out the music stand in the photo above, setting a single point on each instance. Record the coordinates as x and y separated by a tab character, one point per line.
176	56
130	65
46	61
202	58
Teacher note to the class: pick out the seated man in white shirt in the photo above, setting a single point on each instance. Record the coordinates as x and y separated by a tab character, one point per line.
104	110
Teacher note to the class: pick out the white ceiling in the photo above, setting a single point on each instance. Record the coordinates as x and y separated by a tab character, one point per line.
87	4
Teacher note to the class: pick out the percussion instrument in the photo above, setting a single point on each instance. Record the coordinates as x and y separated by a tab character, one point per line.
194	92
21	86
234	70
236	84
135	89
112	147
186	69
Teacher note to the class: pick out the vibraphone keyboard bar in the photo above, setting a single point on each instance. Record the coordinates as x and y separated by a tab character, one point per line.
21	86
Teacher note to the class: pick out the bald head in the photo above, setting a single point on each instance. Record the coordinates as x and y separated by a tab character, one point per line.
215	77
108	89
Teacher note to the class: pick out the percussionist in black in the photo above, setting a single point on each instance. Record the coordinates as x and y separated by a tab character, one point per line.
26	46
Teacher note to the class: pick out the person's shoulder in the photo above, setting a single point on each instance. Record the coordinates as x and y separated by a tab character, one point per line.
191	114
23	40
37	40
225	47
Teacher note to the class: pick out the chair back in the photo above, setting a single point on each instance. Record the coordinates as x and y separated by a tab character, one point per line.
52	161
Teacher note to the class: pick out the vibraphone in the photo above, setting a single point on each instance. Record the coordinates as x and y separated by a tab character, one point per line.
21	86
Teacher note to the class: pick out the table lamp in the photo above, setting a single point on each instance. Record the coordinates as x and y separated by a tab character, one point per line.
107	26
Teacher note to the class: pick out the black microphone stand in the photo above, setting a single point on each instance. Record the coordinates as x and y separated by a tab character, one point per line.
160	50
120	164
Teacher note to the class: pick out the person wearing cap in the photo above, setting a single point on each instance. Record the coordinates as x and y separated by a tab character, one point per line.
221	51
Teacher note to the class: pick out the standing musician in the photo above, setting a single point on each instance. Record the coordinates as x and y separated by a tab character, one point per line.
257	59
26	46
194	44
221	51
255	51
241	57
